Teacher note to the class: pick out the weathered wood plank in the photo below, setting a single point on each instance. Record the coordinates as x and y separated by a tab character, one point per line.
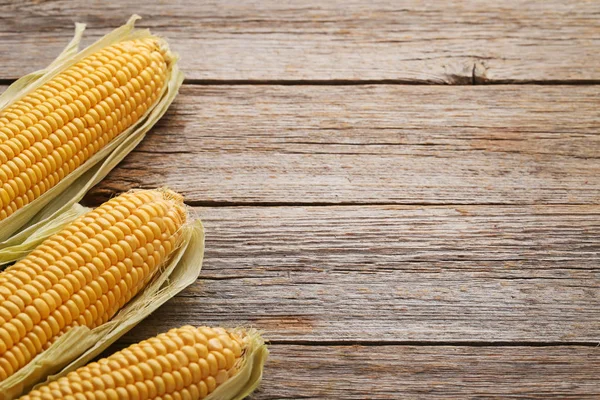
437	42
396	274
373	144
391	372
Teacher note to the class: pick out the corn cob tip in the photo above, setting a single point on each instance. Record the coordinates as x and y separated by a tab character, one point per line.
177	199
174	199
169	194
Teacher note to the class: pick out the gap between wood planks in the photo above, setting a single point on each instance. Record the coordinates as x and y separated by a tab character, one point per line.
126	341
97	199
343	82
436	343
405	343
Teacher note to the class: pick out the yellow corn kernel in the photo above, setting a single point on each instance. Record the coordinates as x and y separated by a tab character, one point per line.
174	365
54	129
84	274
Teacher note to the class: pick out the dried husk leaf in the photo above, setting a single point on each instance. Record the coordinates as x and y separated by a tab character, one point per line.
78	346
73	187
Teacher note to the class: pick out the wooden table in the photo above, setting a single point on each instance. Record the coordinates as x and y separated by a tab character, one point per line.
403	195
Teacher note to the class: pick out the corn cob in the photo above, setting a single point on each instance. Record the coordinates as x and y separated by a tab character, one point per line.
51	131
84	274
184	363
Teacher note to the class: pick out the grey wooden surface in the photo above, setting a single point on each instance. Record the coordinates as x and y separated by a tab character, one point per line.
391	236
440	41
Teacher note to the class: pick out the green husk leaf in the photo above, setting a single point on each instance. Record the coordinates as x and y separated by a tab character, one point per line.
250	371
73	187
24	242
80	345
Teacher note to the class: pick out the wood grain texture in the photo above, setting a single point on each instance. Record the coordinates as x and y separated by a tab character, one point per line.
406	41
392	372
397	274
372	144
445	372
